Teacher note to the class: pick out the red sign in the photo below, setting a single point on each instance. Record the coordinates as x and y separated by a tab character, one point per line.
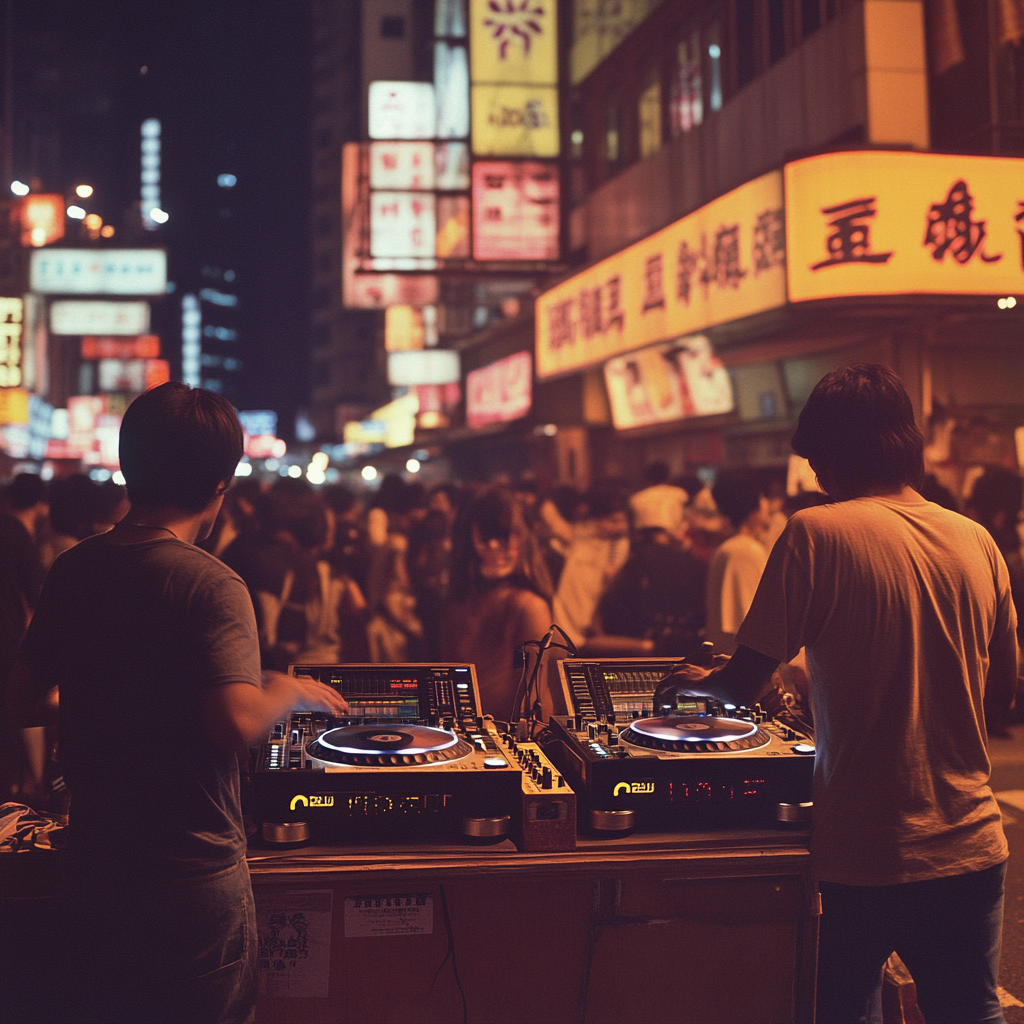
158	371
145	346
42	219
515	210
500	392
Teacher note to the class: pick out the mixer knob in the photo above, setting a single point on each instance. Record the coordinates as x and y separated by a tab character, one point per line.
594	730
545	779
789	734
613	737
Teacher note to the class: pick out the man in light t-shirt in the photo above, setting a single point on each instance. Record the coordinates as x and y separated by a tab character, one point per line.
905	610
738	562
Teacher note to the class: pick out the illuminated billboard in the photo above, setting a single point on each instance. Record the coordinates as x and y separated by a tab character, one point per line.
85	316
42	219
672	381
451	89
501	391
725	261
145	347
403	224
879	223
515	210
514	72
99	272
451	163
430	366
404	329
132	375
401	110
452	227
402	165
362	289
11	313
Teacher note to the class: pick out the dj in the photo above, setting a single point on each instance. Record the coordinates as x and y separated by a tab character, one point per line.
153	645
905	611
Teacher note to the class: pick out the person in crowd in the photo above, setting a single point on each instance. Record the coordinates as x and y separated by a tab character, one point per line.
350	554
27	500
430	549
658	595
598	551
499	598
395	631
153	645
553	526
75	508
21	579
295	601
737	564
995	503
238	516
659	502
906	613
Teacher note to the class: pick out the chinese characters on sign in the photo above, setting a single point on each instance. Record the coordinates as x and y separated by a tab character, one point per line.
500	391
515	210
722	262
877	223
10	342
514	70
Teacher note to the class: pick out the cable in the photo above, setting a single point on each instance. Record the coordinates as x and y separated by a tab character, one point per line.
450	955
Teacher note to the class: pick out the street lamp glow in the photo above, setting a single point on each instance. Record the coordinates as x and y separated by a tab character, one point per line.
1008	303
413	465
243	469
227	180
19	188
83	191
294	472
369	473
159	216
76	213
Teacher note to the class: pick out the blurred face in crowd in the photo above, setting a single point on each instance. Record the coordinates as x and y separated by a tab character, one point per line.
498	558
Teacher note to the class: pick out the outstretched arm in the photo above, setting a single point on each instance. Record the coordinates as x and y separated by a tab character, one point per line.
238	715
741	679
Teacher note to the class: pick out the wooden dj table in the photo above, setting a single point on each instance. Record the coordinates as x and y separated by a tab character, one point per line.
710	928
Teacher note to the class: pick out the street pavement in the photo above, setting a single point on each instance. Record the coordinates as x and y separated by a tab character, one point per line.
1008	784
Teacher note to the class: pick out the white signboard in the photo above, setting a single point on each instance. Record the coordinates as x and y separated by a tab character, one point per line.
99	271
80	317
294	951
402	165
407	913
402	224
401	110
429	366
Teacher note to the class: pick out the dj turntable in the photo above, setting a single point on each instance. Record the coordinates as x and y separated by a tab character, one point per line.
413	761
704	765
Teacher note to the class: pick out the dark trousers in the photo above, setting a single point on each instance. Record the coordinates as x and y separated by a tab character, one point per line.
167	950
946	930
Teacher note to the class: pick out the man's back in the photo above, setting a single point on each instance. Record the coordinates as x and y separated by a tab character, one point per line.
136	633
897	603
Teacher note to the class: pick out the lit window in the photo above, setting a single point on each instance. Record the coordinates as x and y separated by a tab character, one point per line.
650	118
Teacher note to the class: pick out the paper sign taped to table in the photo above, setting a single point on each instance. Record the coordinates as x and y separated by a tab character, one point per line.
294	942
407	913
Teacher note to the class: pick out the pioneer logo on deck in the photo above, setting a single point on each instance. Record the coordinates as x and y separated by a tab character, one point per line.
316	800
644	788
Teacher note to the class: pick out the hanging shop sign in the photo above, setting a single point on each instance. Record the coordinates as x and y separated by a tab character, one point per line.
401	110
672	381
403	225
74	316
404	329
362	288
402	165
515	210
145	347
430	366
723	262
501	391
99	271
11	314
514	72
132	376
878	223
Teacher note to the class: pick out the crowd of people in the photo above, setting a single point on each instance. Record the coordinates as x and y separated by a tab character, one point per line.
472	572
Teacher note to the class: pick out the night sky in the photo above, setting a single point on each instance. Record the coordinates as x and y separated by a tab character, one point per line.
229	82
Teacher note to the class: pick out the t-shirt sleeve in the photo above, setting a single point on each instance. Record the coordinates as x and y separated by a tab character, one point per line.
226	642
776	624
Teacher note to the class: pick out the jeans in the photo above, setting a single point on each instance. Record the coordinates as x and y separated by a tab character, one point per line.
160	950
946	930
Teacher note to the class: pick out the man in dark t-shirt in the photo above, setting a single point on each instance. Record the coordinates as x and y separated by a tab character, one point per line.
152	646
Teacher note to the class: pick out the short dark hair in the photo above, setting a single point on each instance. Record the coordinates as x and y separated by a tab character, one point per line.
178	443
737	493
858	425
656	473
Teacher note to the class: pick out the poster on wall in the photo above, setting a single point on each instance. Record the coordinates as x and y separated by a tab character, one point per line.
672	381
